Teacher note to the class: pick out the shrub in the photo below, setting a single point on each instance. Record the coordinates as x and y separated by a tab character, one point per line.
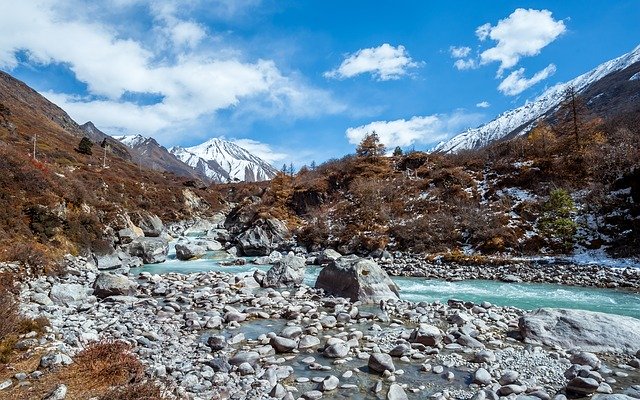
556	222
109	362
85	145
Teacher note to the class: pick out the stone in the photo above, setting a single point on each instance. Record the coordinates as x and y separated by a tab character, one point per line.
54	360
283	345
585	358
506	390
219	364
278	391
396	392
583	386
358	280
380	362
508	377
152	250
329	383
482	376
427	335
262	237
286	272
108	284
217	342
327	255
150	224
612	397
189	251
400	350
59	393
468	341
68	294
485	356
107	261
312	395
240	357
590	331
6	384
246	368
336	350
309	341
291	332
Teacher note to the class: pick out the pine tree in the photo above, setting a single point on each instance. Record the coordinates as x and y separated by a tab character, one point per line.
397	152
370	146
313	165
84	146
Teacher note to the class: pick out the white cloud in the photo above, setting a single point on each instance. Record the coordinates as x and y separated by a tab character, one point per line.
483	104
462	65
384	62
191	83
523	33
261	150
517	83
459	52
417	130
482	32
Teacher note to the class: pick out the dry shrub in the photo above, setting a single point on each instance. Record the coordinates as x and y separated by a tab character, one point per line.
108	363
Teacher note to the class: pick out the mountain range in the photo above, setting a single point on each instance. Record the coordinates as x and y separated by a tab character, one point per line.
609	89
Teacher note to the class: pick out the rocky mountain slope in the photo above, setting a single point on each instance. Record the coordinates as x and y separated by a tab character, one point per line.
99	137
224	161
607	89
150	154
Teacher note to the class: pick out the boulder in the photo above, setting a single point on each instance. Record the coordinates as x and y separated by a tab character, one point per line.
286	272
380	362
128	235
107	284
151	250
396	392
328	255
357	279
68	293
189	250
150	224
590	331
582	386
107	261
263	237
427	335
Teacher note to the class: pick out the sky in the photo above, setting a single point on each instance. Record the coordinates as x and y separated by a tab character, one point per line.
302	81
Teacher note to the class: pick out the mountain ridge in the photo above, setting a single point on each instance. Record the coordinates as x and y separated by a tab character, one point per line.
521	119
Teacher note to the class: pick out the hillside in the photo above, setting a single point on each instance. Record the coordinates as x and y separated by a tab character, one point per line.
608	90
64	201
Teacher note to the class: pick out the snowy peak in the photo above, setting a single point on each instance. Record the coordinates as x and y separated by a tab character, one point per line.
522	119
132	141
225	161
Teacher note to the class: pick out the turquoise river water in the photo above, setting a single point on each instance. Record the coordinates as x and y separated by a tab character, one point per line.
526	296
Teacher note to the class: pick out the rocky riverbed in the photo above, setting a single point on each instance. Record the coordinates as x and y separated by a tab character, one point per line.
218	335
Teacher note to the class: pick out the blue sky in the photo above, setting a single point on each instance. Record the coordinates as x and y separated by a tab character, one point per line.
296	81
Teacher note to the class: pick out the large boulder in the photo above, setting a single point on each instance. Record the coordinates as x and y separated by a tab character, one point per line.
327	255
263	237
107	284
150	224
288	271
357	279
189	250
68	293
116	259
590	331
151	250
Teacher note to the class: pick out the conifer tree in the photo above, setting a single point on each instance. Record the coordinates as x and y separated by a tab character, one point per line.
85	146
370	146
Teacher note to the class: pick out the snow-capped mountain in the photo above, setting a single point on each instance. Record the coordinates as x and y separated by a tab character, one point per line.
225	161
520	120
149	153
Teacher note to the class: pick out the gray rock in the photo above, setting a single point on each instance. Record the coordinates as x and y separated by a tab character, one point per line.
358	280
246	368
262	237
240	357
59	393
590	331
54	360
427	335
468	341
584	358
278	391
288	271
396	392
6	384
485	356
219	364
68	293
400	350
329	383
127	235
217	342
152	250
482	376
312	395
327	255
380	362
308	341
107	261
107	284
283	345
336	350
508	377
291	332
150	224
511	389
583	386
189	250
616	396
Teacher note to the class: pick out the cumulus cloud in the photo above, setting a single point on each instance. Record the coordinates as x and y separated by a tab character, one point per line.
523	33
190	85
483	104
459	52
416	130
384	62
461	64
517	83
261	150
